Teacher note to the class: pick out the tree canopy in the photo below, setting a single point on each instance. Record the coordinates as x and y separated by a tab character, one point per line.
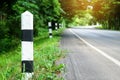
107	13
72	7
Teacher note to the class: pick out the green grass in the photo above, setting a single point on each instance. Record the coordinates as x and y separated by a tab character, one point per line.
46	52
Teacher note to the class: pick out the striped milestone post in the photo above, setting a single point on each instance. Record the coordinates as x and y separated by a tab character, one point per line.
27	45
56	27
50	29
60	25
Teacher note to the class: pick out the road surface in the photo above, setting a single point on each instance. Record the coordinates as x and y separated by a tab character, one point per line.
91	54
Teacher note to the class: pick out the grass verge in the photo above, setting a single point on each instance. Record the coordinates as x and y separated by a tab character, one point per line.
46	52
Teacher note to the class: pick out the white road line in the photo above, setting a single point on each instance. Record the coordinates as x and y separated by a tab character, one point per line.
117	62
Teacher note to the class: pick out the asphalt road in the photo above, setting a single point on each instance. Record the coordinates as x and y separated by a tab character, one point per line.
91	54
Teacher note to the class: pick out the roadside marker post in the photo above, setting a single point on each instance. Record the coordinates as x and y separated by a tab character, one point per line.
56	26
50	29
60	25
27	45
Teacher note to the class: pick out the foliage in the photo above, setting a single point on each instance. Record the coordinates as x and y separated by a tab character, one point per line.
107	13
10	18
72	7
83	18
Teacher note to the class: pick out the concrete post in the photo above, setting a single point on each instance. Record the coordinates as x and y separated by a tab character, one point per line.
50	29
27	45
